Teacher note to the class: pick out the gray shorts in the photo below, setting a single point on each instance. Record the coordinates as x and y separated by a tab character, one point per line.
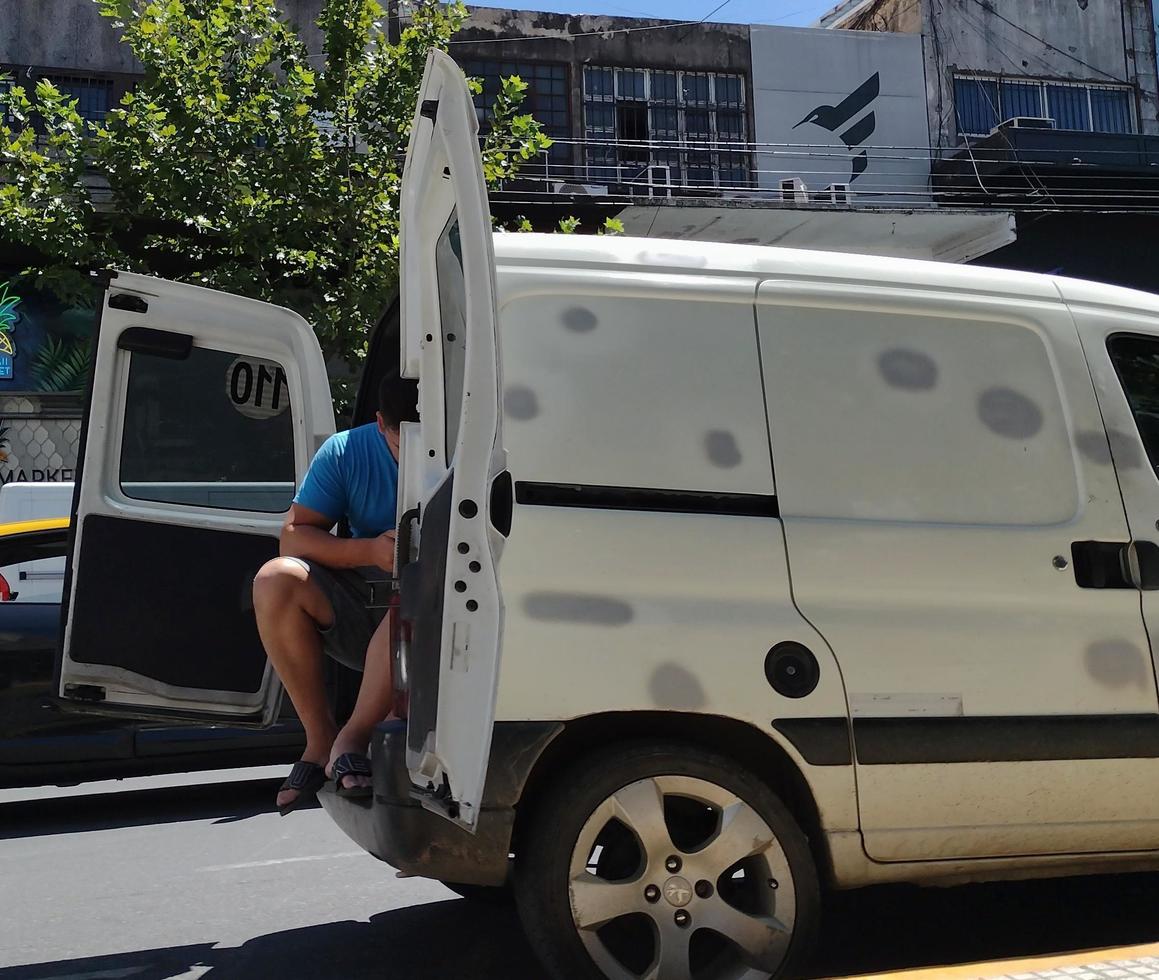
360	598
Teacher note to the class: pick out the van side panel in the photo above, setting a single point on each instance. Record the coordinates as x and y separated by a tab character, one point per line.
936	461
671	594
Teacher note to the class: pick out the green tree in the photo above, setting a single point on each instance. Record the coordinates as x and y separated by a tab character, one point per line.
240	161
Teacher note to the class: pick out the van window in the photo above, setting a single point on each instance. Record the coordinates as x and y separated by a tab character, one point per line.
908	416
626	389
1136	361
453	320
211	430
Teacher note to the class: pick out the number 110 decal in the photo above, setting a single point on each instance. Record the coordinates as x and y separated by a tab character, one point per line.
257	388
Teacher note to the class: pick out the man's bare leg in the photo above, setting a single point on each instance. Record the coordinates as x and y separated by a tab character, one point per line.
375	697
290	609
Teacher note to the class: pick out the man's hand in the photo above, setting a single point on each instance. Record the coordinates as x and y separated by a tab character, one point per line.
382	550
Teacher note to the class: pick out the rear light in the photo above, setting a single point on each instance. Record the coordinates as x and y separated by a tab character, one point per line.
6	593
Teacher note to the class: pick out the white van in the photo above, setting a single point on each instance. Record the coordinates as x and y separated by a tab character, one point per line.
741	572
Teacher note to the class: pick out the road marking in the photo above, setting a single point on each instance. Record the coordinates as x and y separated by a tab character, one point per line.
290	860
193	973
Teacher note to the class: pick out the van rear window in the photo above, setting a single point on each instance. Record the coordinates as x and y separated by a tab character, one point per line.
213	429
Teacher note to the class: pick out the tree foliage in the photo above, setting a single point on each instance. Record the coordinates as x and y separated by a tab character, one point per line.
241	161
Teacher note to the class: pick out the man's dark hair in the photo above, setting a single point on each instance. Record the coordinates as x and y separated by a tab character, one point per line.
398	400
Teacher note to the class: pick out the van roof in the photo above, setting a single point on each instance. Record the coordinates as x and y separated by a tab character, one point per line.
720	258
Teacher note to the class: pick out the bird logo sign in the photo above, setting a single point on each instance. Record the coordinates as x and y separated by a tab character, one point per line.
834	117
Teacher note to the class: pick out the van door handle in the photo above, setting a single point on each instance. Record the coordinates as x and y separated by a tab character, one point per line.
1100	565
405	540
1141	560
1115	565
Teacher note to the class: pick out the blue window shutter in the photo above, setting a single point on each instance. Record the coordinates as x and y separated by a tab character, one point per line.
1111	111
976	105
1021	99
1068	106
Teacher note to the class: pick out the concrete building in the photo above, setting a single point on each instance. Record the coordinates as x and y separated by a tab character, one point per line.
1049	108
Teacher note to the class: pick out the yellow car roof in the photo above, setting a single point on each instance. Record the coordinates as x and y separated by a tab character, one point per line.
29	527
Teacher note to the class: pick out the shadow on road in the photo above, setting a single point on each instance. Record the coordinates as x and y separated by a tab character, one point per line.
879	929
873	930
228	802
900	926
426	942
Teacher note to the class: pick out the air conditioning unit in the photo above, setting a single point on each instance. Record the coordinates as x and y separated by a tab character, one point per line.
837	194
794	191
659	181
1024	122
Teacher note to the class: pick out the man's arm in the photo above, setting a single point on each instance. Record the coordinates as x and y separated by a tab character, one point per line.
306	534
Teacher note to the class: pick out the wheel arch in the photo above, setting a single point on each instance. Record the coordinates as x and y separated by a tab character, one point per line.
760	753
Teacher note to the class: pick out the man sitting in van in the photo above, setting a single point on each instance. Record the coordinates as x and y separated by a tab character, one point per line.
328	595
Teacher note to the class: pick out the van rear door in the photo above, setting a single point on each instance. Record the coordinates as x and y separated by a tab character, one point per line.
204	412
454	500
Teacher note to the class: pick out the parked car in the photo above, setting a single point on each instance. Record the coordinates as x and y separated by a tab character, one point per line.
40	744
730	572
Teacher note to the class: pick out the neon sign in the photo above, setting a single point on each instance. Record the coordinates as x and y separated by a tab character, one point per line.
9	317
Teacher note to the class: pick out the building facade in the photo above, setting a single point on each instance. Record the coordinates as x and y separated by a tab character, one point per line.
717	132
1049	109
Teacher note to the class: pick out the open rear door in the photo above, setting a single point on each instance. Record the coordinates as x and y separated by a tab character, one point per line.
455	498
205	410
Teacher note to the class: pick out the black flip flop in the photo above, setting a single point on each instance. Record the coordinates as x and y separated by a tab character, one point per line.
307	778
352	764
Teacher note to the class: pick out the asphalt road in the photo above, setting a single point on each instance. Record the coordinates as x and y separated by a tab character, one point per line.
197	876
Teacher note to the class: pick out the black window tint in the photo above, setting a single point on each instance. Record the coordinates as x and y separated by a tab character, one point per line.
212	430
1136	361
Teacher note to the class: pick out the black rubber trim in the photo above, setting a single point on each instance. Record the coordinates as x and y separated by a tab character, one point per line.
918	741
156	343
103	280
421	585
822	741
646	499
502	499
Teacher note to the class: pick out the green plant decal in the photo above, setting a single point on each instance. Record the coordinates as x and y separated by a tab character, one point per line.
9	317
61	365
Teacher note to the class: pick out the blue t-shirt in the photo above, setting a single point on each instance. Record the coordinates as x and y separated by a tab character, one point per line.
354	475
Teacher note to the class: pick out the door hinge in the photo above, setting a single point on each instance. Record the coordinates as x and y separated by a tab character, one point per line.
84	692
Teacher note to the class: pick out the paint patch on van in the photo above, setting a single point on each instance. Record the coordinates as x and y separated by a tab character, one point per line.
1008	413
1128	452
722	449
675	687
653	257
908	369
576	607
1117	663
520	402
579	319
1093	445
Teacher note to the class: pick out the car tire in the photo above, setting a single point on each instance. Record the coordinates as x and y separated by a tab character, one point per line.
484	894
627	869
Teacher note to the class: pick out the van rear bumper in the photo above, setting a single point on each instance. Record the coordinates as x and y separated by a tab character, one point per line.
395	828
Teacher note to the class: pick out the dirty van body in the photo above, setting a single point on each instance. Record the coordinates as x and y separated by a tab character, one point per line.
728	574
